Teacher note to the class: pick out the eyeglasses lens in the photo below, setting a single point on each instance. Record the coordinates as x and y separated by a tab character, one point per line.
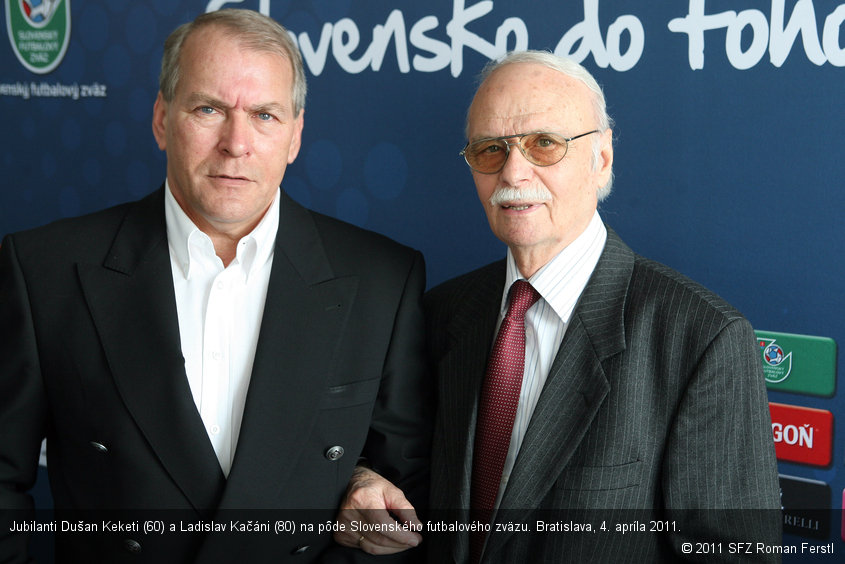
542	149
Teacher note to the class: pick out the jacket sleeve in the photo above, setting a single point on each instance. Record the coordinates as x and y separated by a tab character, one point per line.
22	405
720	473
399	442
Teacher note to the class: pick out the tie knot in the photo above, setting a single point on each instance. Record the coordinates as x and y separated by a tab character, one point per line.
522	296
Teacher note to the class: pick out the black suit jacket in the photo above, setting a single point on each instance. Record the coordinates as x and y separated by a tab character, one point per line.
655	405
91	359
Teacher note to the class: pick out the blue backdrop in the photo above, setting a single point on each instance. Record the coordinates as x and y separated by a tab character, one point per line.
727	139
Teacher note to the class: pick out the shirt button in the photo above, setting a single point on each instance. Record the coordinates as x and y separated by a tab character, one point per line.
215	429
216	355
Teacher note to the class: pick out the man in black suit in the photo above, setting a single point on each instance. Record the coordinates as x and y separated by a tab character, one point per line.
618	392
213	349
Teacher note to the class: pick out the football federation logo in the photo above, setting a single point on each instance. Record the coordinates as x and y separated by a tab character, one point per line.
39	31
776	364
773	355
39	11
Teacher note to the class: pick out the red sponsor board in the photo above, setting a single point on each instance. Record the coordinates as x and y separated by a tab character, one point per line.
802	434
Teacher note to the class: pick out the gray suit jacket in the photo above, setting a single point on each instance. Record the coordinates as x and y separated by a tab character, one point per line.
90	357
655	410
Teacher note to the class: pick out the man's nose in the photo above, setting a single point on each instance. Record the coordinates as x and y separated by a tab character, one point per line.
236	135
517	168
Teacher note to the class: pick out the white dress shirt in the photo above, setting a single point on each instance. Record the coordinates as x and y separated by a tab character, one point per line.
220	311
560	284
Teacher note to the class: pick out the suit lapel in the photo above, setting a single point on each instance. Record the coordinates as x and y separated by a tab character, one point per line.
133	306
304	315
470	332
575	388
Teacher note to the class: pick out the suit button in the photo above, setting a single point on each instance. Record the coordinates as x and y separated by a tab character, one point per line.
99	446
334	453
300	549
132	546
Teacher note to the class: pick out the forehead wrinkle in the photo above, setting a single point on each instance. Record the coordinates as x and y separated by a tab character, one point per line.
526	97
501	125
194	55
261	107
208	99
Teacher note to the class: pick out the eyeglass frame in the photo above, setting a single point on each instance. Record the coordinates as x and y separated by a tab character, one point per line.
518	143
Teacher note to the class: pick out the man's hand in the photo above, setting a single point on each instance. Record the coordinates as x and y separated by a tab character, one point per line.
385	518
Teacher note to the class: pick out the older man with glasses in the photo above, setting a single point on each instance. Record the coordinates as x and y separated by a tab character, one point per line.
582	386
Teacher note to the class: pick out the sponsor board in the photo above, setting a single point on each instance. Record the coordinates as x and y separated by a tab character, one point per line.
802	434
806	507
798	363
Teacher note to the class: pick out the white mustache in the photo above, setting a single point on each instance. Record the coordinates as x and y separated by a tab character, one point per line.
534	194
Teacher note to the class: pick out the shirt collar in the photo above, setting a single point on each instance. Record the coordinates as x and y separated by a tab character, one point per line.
567	273
188	244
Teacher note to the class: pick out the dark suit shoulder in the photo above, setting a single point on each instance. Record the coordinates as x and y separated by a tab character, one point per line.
73	228
83	238
669	289
349	238
669	314
455	291
349	248
644	287
467	305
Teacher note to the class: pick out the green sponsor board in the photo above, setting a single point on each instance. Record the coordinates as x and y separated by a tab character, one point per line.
798	363
39	31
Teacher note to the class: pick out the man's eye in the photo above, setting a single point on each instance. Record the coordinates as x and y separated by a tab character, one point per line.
207	110
263	116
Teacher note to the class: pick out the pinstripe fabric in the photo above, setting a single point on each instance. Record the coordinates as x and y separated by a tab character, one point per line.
655	402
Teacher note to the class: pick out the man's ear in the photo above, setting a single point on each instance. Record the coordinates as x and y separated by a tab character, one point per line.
159	119
604	167
296	141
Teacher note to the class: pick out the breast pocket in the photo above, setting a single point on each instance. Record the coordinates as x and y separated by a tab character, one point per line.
351	394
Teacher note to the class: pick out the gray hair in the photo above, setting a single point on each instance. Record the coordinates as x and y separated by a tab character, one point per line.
253	31
572	69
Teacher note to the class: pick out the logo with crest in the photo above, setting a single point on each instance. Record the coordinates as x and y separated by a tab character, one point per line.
39	31
776	363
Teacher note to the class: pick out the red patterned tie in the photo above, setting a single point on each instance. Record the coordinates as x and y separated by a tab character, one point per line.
497	409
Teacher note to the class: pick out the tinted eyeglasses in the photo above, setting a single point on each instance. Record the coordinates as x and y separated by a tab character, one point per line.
488	156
